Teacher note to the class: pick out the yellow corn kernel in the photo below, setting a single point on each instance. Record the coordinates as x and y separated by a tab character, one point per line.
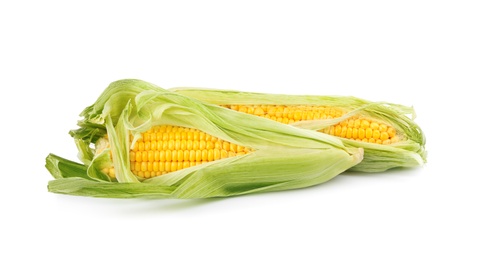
216	154
364	124
141	146
355	133
384	136
258	111
368	133
111	172
204	155
337	130
349	132
391	132
174	156
168	155
361	133
376	134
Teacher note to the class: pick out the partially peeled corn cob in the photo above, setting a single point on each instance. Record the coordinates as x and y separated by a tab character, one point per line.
357	128
131	144
385	131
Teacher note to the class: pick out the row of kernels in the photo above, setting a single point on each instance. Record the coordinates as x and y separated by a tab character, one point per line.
365	123
305	116
291	112
182	155
299	117
148	170
161	166
186	145
151	169
182	135
168	132
384	137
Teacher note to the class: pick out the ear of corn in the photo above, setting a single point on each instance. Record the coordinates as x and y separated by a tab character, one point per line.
267	156
386	132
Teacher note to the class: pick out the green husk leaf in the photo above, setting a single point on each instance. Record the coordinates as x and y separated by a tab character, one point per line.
63	168
284	157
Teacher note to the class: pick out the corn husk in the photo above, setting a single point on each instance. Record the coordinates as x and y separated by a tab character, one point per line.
408	152
284	157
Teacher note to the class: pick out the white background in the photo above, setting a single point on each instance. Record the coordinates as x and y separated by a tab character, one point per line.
57	57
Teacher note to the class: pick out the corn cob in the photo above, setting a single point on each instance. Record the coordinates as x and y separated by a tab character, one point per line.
127	139
389	137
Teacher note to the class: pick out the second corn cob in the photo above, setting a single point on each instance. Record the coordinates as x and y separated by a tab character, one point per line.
385	131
